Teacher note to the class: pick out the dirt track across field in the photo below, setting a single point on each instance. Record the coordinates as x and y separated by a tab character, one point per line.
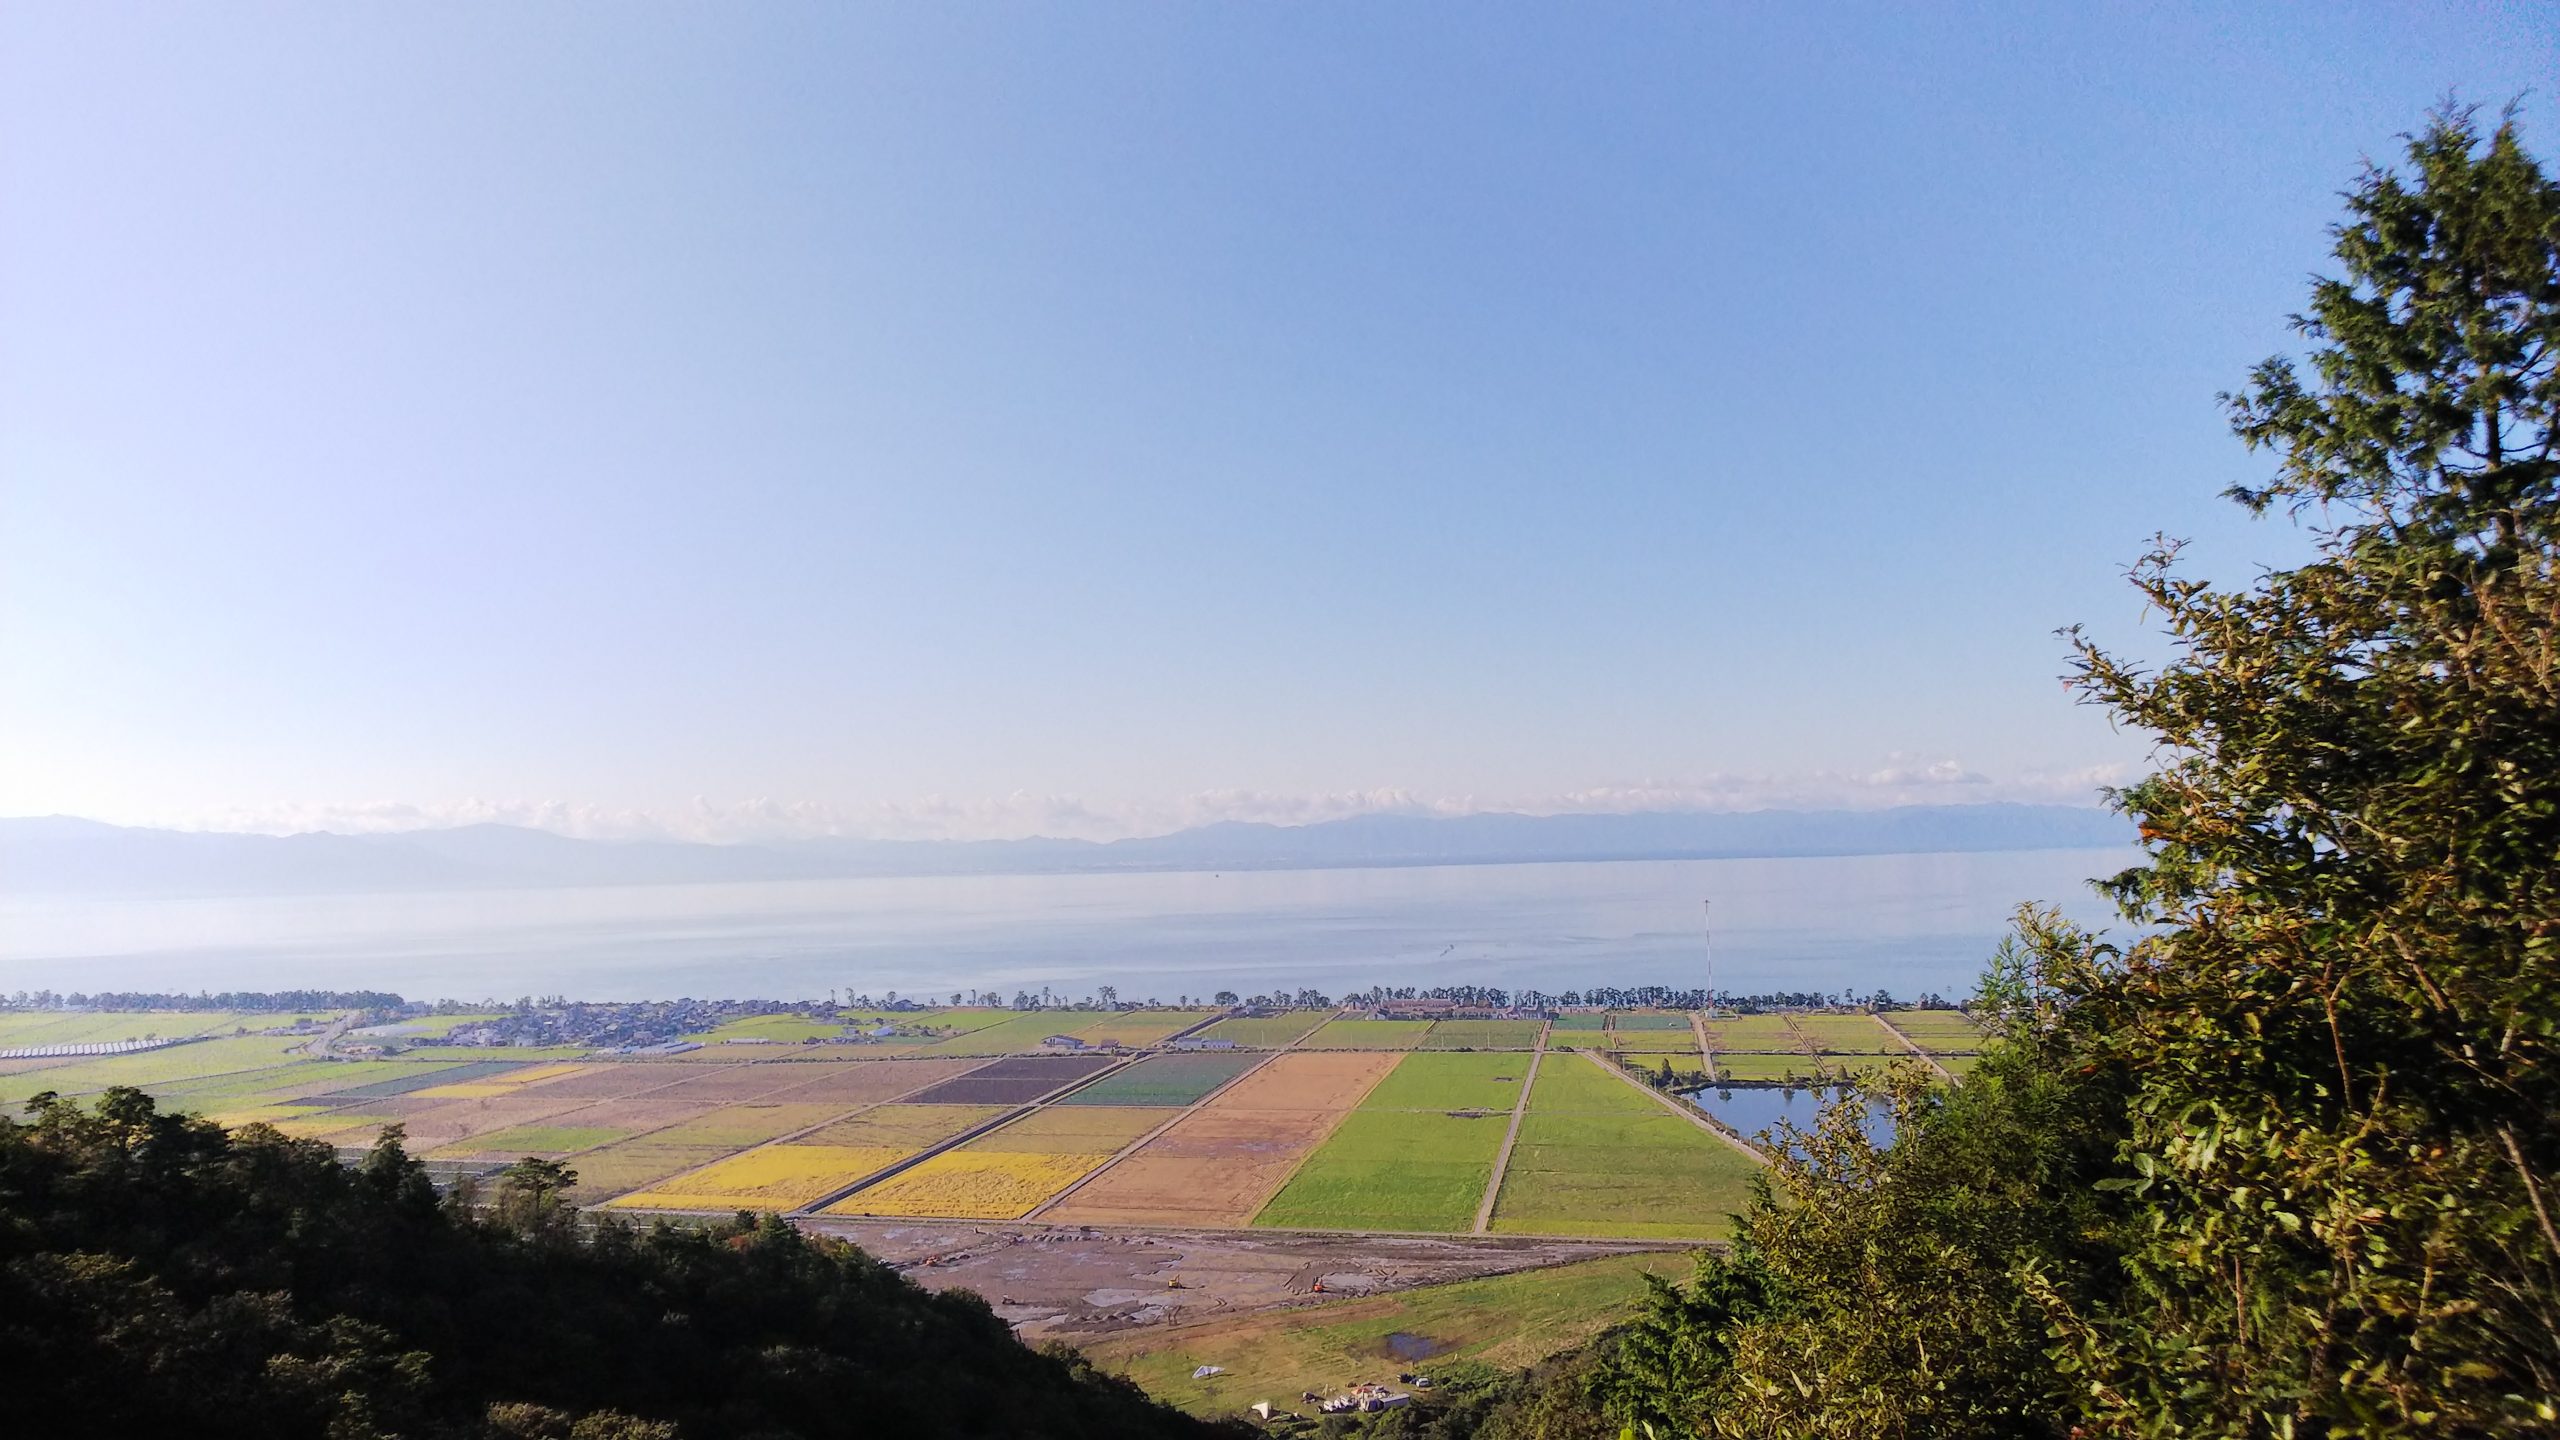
1071	1282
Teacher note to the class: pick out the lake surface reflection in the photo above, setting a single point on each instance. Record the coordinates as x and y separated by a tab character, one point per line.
1906	923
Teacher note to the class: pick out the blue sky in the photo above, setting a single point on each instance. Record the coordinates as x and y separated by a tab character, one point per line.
992	419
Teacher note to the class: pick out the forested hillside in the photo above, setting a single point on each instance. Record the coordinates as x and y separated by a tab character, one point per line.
159	1277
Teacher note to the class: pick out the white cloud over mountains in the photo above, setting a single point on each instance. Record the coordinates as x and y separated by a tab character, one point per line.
1901	780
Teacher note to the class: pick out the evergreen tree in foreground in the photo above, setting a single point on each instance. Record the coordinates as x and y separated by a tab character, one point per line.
2286	1165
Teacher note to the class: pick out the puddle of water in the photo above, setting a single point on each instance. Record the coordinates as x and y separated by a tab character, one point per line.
1749	1112
1405	1345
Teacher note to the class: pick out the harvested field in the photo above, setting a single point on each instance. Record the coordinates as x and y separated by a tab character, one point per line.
1166	1079
1369	1035
1307	1081
1483	1035
1393	1170
1752	1032
866	1082
1451	1082
904	1128
632	1165
1140	1027
436	1124
545	1140
972	1184
507	1082
1059	1129
425	1077
735	1127
1269	1032
1647	1020
612	1079
639	1115
774	1177
1598	1157
726	1084
1848	1035
1221	1163
1014	1081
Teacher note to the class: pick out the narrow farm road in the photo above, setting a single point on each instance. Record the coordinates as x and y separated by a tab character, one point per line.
1914	1047
1510	1137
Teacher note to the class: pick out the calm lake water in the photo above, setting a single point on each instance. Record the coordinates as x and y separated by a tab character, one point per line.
1754	1110
1908	923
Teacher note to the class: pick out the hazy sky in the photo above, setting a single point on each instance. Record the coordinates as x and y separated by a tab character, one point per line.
976	419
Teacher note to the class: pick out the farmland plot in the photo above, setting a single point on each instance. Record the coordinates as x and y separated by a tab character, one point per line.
1483	1035
863	1082
1393	1170
770	1177
1426	1081
1369	1035
1770	1033
1655	1042
1270	1032
1580	1020
1018	1080
1007	1174
1222	1162
1734	1066
1937	1031
1630	1020
1598	1157
1166	1079
1848	1035
1140	1027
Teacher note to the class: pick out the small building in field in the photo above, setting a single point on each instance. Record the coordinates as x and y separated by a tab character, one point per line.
1063	1042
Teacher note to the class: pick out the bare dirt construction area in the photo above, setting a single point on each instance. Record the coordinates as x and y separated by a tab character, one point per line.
1071	1283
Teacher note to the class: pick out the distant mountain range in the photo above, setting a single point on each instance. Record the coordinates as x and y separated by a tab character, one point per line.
59	855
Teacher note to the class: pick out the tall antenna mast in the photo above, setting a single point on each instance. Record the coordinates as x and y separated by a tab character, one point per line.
1707	909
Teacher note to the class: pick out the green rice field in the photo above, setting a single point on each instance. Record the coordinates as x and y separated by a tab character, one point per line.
1752	1032
1848	1035
1593	1020
1938	1030
1443	1081
1392	1170
1647	1020
1483	1035
1731	1065
1598	1156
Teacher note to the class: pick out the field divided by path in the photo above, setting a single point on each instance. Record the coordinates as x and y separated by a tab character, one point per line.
1597	1156
1416	1154
1219	1164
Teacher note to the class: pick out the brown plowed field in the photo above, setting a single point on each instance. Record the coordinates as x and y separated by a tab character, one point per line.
865	1082
438	1123
1220	1163
736	1082
606	1081
1010	1082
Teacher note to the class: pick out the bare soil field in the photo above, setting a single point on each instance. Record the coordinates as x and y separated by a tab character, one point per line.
1313	1080
1076	1284
1015	1081
865	1082
605	1081
736	1082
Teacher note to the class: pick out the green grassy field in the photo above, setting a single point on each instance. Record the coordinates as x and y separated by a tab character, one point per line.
1938	1030
1597	1156
1590	1021
1483	1035
780	1029
1849	1035
1959	1065
1752	1032
1444	1081
91	1027
1655	1042
197	1060
1166	1079
1392	1170
1506	1321
1731	1066
1647	1020
1266	1031
1369	1035
1008	1035
1140	1027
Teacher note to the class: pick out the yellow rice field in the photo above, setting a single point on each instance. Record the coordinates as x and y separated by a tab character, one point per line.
973	1184
775	1177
